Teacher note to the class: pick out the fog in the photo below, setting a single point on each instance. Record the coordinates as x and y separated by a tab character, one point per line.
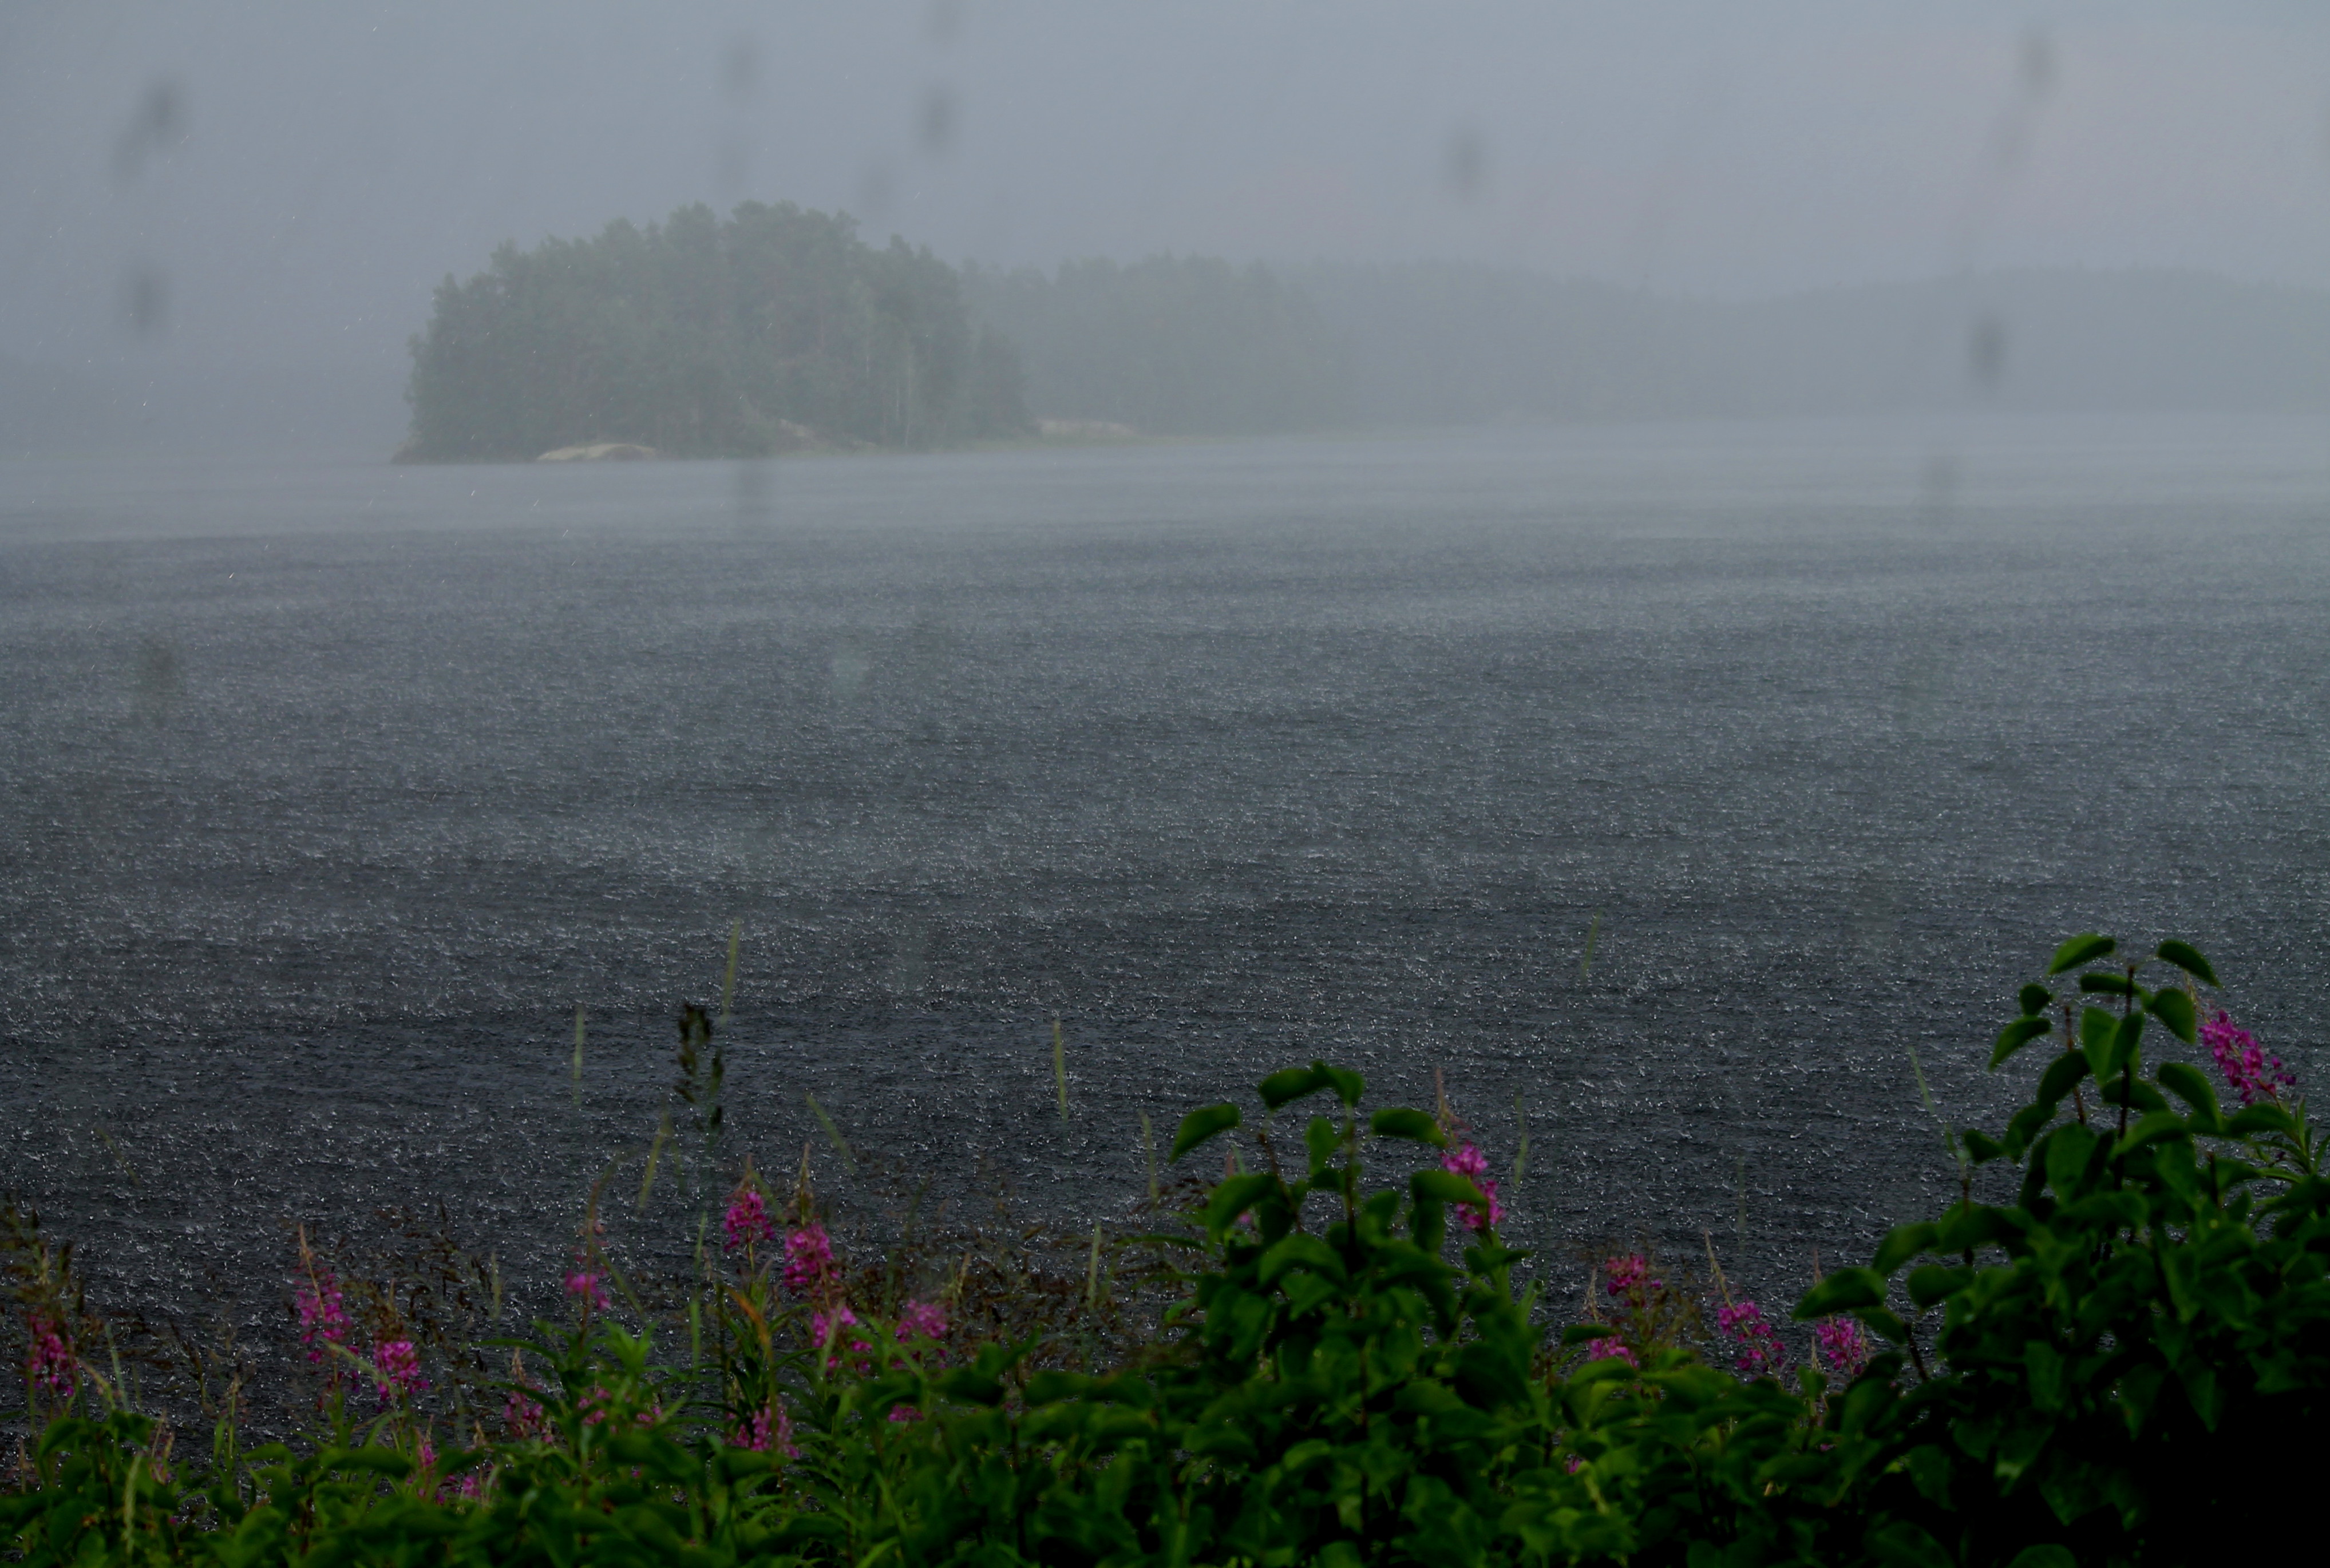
226	222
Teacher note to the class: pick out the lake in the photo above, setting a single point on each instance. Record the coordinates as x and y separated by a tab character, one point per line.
333	790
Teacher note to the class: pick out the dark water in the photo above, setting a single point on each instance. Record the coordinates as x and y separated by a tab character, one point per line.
330	792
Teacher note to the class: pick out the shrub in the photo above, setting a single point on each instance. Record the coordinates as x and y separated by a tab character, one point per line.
2097	1372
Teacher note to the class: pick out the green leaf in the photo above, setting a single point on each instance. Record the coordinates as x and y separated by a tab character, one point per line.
1233	1197
2015	1036
1582	1333
1298	1251
1283	1088
1445	1187
2061	1075
1935	1283
1401	1122
1846	1290
1904	1545
2127	1046
2109	984
1347	1084
2047	1556
2079	951
1201	1124
2035	998
1320	1140
2187	1084
1980	1146
2189	959
2175	1009
1903	1243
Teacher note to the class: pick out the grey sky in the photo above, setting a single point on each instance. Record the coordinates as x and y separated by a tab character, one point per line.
272	184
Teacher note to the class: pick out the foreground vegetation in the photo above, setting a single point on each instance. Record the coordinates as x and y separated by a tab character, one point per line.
2114	1366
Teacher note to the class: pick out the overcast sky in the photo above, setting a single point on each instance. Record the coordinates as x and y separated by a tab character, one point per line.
277	184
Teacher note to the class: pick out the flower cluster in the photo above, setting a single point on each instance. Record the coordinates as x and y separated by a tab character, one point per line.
770	1427
322	1319
1604	1349
397	1362
747	1219
588	1285
1630	1277
2243	1062
926	1318
1761	1355
808	1260
1843	1345
1465	1160
51	1363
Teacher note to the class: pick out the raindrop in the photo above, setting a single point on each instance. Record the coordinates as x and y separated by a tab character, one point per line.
740	66
1464	165
934	126
1986	351
157	124
145	300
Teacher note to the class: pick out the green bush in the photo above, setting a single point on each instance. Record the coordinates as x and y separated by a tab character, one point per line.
2105	1370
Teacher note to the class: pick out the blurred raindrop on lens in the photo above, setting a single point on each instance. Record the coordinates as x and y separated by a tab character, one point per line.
944	21
2038	68
1465	165
752	494
934	125
157	123
158	680
1986	351
146	301
875	189
740	66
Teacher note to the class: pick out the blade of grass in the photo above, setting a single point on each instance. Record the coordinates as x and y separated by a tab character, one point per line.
655	1153
848	1161
728	981
1091	1270
1586	963
1521	1157
119	1158
1060	1066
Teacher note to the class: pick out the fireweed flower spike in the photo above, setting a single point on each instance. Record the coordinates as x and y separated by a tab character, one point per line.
1465	1160
399	1365
588	1285
323	1321
51	1362
747	1219
808	1260
1843	1345
2243	1062
926	1319
1761	1353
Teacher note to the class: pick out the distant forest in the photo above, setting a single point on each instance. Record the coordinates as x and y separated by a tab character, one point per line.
778	328
707	338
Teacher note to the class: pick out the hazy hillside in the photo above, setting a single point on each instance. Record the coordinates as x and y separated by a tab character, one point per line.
1436	343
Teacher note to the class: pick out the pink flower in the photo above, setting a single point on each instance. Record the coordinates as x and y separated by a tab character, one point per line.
322	1319
1602	1349
398	1364
808	1260
428	1457
1760	1352
523	1415
1630	1275
761	1433
747	1219
51	1363
827	1331
926	1319
588	1285
2243	1062
1844	1344
1465	1160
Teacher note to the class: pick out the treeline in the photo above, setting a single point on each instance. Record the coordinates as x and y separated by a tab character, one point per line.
701	336
1171	345
778	327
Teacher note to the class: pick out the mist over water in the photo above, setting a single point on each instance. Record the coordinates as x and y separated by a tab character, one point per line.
332	790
